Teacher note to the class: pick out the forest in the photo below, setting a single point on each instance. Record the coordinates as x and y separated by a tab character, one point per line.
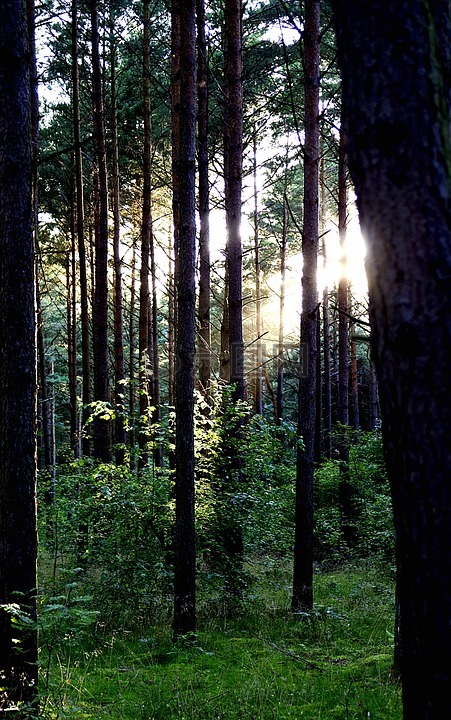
225	343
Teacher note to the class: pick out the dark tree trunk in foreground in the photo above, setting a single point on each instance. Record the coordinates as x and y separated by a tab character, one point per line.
396	67
18	535
102	448
204	342
302	598
185	556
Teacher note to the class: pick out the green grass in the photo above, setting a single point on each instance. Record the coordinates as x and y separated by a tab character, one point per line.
333	663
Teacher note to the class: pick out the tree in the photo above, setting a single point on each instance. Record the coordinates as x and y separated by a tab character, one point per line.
18	535
302	598
395	65
185	557
102	449
204	343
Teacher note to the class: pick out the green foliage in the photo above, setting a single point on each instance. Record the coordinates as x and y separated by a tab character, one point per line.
334	663
372	503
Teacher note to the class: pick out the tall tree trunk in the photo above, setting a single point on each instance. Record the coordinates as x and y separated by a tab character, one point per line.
171	325
184	622
233	185
85	349
119	359
101	425
231	520
145	338
354	415
327	390
224	357
396	99
302	598
280	357
71	339
204	341
344	488
156	414
18	533
131	339
258	300
374	410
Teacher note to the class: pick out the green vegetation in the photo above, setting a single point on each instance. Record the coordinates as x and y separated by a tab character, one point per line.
106	590
335	662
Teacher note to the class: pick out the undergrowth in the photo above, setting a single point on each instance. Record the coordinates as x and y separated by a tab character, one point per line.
332	663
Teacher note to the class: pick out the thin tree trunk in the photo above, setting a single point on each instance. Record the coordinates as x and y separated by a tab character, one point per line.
224	358
374	409
71	342
171	326
184	622
327	390
302	598
233	188
156	414
354	415
131	333
145	397
204	339
101	425
119	360
280	358
258	300
85	349
344	488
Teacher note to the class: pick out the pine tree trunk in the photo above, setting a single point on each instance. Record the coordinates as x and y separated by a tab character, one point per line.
145	319
327	390
344	488
184	622
204	342
258	300
396	100
101	425
280	358
132	375
18	532
302	598
85	348
119	360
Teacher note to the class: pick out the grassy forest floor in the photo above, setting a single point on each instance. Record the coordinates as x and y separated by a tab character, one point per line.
333	663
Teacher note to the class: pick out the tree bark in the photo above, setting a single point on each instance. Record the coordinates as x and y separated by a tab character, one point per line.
145	384
85	347
344	487
184	622
119	359
327	388
101	425
258	406
302	598
204	341
281	358
18	532
396	98
233	140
